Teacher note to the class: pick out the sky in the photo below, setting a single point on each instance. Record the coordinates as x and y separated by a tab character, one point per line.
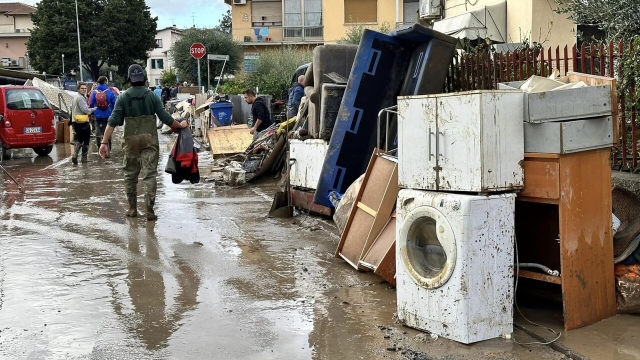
182	13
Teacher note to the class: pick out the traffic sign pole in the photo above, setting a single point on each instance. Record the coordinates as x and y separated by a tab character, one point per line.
199	81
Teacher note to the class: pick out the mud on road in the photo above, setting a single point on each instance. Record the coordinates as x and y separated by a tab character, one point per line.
213	278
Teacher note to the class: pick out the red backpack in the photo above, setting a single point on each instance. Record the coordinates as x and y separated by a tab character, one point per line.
101	100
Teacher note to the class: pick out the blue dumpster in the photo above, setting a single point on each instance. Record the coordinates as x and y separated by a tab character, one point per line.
221	113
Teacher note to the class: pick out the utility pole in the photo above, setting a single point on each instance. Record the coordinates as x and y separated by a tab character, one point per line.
79	50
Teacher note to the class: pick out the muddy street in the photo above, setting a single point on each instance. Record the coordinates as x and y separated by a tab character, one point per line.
212	278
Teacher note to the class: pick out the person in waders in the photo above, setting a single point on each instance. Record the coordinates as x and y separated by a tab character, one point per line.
137	109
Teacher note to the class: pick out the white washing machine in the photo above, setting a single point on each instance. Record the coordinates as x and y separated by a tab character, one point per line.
454	263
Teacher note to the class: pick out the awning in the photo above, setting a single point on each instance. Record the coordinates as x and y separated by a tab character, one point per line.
483	22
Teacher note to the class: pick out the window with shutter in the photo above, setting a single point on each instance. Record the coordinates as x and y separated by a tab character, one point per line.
360	11
266	12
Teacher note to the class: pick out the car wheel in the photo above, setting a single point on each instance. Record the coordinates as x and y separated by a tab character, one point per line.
42	151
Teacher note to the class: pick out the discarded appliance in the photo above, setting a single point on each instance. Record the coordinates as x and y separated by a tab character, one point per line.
371	209
411	61
229	140
568	136
455	264
306	162
552	100
471	141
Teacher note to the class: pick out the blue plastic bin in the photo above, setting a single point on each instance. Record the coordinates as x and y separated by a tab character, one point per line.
223	113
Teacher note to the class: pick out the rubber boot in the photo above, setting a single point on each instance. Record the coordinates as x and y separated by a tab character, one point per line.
150	200
74	157
84	156
133	205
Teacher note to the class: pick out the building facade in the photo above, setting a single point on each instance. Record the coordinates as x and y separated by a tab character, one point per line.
159	58
15	30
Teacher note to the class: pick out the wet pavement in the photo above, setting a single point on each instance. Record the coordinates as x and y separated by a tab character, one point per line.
213	278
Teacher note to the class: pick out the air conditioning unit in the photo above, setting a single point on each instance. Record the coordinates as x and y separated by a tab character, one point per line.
429	9
5	61
21	30
14	62
239	2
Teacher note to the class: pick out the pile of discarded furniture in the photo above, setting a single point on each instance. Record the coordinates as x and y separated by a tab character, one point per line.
451	197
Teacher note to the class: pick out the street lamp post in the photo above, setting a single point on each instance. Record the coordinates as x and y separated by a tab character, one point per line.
62	64
79	51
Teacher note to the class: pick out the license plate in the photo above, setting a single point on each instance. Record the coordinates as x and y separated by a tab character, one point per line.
32	130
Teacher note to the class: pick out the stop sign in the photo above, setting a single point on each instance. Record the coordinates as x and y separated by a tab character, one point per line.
197	50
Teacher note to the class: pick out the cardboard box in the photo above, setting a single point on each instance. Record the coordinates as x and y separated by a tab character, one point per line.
63	132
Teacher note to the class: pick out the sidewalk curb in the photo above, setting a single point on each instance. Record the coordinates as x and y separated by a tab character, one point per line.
555	345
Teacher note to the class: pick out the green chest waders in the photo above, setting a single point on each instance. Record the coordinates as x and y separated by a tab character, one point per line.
141	154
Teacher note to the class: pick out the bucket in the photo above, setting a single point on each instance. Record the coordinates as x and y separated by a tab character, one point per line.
222	112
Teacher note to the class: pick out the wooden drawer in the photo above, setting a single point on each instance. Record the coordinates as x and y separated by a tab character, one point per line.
541	178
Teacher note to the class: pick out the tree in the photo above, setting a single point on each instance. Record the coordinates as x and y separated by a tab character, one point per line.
215	42
169	76
225	23
272	73
619	18
353	35
117	32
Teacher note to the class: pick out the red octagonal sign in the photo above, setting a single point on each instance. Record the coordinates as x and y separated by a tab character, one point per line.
198	50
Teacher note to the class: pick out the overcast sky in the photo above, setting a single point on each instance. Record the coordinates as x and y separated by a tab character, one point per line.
183	13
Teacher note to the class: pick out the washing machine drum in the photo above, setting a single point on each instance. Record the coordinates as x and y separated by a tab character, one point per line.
427	247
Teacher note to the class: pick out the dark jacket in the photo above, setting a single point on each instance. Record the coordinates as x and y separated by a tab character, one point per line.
183	160
295	95
259	111
111	99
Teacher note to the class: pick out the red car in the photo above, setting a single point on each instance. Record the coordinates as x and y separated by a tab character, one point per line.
26	120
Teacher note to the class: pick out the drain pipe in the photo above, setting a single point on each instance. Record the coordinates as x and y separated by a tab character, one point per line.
541	267
398	7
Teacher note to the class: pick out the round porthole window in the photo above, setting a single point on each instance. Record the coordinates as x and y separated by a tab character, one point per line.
427	246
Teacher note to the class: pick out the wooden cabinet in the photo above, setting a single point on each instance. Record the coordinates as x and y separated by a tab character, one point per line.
563	221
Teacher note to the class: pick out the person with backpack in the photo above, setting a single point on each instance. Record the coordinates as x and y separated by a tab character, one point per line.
137	108
166	94
103	99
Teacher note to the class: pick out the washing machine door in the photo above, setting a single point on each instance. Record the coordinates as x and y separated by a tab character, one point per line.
427	247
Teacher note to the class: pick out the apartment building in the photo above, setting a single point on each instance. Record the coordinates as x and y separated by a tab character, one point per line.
158	58
260	24
15	30
504	22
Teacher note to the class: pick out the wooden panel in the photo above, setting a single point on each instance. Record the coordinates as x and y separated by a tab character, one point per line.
541	179
593	80
229	140
367	209
390	196
381	245
586	241
541	277
360	11
357	237
377	183
529	156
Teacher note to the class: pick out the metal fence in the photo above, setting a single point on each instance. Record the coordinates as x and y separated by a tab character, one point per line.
485	71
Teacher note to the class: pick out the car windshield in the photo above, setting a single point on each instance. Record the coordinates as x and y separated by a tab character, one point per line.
26	99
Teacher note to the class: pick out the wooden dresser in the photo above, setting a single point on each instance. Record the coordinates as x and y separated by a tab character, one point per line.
563	221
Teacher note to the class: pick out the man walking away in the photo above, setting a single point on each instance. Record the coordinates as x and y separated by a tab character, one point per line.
295	96
259	112
81	126
103	99
158	91
166	94
137	108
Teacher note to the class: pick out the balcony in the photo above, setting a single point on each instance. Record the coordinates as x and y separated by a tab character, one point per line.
278	35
